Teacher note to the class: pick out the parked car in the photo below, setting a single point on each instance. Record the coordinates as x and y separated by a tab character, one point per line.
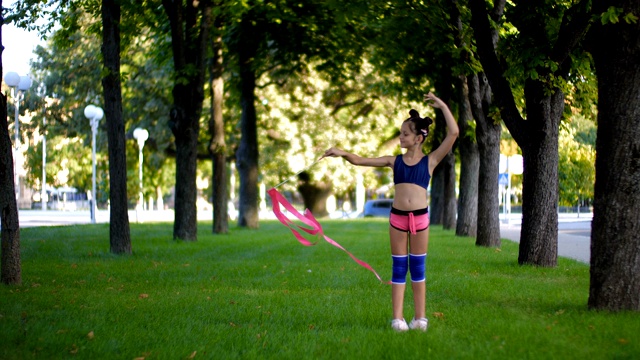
378	207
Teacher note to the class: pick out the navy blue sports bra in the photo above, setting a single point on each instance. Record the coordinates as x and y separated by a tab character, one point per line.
416	174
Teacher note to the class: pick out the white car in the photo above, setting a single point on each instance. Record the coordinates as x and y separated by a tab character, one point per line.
377	208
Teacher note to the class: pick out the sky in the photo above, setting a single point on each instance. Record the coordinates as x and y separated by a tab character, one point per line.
18	47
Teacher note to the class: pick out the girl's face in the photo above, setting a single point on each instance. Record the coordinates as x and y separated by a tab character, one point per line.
408	137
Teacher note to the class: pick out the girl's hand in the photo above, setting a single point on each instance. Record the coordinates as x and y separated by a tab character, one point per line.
434	101
333	152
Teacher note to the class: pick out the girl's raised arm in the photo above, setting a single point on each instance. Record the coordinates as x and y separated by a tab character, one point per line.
452	134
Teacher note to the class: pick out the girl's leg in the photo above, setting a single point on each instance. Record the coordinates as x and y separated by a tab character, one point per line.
419	244
398	247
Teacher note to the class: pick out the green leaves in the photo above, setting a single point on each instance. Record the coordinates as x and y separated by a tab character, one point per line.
576	163
613	14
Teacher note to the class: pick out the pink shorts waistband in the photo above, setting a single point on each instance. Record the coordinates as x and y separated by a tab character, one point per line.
410	221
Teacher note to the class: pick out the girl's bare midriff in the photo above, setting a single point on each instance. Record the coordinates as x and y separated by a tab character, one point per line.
410	197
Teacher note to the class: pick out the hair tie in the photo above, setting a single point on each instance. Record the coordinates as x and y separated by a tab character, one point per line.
424	132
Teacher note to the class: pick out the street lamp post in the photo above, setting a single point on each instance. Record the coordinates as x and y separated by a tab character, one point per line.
94	114
43	191
141	135
19	84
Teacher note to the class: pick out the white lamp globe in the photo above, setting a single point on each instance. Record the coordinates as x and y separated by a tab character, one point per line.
24	84
12	79
141	134
99	113
90	111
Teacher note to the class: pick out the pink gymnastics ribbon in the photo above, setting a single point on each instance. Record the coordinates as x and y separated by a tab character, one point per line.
314	227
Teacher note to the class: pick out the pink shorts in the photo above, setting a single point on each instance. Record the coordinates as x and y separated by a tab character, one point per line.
409	221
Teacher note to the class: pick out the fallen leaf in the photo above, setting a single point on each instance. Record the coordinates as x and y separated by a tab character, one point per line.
623	341
143	296
438	315
193	355
90	335
232	324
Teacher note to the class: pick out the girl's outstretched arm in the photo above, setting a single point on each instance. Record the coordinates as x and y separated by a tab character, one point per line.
358	160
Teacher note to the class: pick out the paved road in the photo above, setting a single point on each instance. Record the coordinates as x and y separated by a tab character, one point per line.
32	218
574	234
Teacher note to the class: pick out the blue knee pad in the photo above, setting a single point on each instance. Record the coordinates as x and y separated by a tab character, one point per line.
418	267
399	269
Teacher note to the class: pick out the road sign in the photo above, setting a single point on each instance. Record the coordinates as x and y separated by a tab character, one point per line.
503	179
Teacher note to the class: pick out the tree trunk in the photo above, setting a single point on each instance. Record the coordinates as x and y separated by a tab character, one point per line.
247	154
436	206
190	26
11	272
314	195
469	166
467	219
443	194
537	137
119	234
539	233
615	243
218	146
488	137
450	199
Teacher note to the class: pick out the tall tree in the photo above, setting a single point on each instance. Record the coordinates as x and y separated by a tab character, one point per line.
488	130
467	220
119	235
488	136
75	15
247	154
280	39
548	35
217	146
190	24
11	271
615	244
446	169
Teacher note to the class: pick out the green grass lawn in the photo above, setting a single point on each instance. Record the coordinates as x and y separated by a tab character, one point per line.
260	294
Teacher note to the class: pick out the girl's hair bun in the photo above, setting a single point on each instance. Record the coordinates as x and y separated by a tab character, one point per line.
420	126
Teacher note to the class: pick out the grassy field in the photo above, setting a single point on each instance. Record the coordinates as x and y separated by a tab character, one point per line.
261	295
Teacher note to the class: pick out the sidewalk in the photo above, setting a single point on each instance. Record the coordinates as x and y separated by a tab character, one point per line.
574	234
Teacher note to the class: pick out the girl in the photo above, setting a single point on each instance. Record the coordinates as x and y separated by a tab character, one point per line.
409	218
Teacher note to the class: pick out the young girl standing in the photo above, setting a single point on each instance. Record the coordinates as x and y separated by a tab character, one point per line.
409	218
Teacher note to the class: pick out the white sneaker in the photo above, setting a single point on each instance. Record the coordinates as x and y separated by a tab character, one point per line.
419	324
399	325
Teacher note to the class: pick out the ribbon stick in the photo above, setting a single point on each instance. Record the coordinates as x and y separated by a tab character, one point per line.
314	227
